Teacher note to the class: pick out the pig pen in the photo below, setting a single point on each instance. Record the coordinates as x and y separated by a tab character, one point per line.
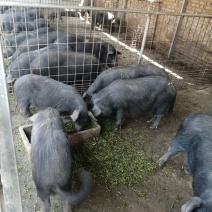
166	189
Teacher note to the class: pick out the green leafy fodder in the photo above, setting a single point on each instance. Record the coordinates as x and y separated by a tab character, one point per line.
6	63
115	157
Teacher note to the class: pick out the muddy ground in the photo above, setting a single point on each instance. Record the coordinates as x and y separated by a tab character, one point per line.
164	190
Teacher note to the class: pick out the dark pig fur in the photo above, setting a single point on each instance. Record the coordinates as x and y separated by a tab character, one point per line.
105	52
152	93
21	65
30	25
34	43
72	67
17	39
194	137
42	92
123	72
105	19
52	161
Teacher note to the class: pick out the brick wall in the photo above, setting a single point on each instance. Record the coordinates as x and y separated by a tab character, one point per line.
195	35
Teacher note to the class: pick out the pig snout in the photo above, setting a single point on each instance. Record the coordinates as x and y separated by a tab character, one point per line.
96	111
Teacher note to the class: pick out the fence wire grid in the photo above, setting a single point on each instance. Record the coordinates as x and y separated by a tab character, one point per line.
187	61
55	38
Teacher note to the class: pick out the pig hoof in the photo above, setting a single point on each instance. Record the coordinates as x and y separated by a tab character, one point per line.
117	127
153	127
161	162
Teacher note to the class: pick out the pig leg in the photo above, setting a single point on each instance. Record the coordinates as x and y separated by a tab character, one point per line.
24	110
155	120
193	203
66	205
46	204
119	118
158	114
172	150
185	166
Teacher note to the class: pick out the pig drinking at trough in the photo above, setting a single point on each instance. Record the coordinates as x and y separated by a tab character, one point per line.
152	93
66	67
194	137
123	72
42	92
52	161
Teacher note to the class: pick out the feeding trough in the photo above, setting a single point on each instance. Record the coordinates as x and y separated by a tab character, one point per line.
73	138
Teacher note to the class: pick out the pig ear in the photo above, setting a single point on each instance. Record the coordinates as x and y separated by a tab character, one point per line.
75	115
194	202
84	95
96	111
33	118
110	52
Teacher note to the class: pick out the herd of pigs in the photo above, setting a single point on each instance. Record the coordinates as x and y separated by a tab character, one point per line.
42	49
138	88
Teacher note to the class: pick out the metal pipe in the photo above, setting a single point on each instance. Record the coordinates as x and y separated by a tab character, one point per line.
66	6
9	172
91	12
155	25
124	14
144	38
177	30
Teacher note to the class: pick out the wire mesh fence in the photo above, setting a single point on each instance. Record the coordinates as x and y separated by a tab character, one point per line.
190	57
73	44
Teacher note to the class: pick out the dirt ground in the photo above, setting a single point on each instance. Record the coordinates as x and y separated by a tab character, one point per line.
166	189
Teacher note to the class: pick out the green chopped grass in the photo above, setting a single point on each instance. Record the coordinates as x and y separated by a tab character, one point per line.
115	157
6	63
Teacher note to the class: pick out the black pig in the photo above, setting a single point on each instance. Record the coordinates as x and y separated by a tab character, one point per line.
30	25
67	67
17	39
104	51
42	92
34	43
152	93
52	161
21	65
105	19
194	137
123	72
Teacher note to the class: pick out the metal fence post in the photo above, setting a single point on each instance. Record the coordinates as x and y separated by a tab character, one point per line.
9	171
144	37
179	22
